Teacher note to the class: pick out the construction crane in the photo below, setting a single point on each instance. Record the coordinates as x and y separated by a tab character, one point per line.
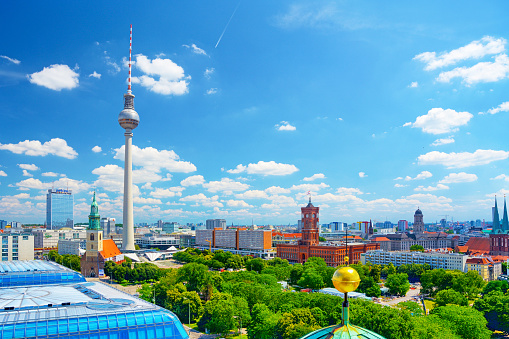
210	245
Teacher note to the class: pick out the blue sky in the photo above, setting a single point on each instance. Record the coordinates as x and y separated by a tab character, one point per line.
377	109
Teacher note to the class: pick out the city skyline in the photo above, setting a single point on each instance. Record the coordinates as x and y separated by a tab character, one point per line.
377	110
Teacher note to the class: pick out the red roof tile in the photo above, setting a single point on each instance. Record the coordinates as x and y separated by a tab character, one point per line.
380	239
110	249
479	245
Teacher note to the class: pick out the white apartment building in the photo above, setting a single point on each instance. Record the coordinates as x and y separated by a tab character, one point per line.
72	246
48	239
447	261
17	247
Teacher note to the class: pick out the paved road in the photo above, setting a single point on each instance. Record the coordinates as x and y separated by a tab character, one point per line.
409	296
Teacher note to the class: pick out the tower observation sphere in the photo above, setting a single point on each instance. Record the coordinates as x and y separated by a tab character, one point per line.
128	118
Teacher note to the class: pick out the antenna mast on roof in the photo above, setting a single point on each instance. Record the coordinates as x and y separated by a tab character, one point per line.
130	51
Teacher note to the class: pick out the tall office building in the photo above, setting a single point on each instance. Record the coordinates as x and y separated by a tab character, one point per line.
59	209
215	223
402	225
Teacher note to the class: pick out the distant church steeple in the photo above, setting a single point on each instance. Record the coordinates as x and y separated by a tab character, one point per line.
496	219
505	221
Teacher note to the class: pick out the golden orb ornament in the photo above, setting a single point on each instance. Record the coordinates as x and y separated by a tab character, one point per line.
346	279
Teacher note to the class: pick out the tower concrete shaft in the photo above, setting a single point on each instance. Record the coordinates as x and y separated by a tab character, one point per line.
128	229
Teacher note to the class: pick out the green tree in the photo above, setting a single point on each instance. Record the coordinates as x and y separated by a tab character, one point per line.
495	306
450	296
496	285
296	273
432	326
398	283
470	283
369	287
417	248
219	312
296	323
466	322
311	279
321	239
504	268
411	306
375	272
256	264
146	292
263	323
193	275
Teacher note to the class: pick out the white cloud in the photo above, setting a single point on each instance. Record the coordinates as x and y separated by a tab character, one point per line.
196	49
265	168
27	174
168	177
439	121
445	141
252	194
193	180
503	107
75	185
153	159
431	188
285	126
141	200
339	119
481	72
28	167
399	185
348	191
309	187
2	174
314	177
97	149
413	84
166	193
454	178
95	75
14	61
362	175
421	176
49	174
474	50
277	190
111	178
172	80
501	177
147	186
208	72
211	91
225	185
55	146
464	159
201	199
237	203
55	77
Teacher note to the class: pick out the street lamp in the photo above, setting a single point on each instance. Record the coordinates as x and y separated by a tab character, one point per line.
240	329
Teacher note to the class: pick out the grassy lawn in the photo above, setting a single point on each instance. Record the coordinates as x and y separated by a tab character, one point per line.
429	304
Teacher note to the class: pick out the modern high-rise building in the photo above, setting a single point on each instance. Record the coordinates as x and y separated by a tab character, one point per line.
108	225
59	209
169	227
215	223
128	120
402	225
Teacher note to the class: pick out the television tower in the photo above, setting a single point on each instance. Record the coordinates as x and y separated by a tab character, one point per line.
128	120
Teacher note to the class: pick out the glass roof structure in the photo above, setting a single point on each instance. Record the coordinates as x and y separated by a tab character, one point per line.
82	310
36	272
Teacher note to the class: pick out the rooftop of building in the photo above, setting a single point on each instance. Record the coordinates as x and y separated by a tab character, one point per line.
380	239
77	310
110	249
36	272
478	245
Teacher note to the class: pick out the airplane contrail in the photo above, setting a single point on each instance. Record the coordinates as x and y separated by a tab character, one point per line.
224	30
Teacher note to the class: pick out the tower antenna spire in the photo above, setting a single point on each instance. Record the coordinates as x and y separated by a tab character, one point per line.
130	51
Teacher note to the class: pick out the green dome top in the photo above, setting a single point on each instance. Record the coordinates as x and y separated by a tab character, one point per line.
347	331
94	217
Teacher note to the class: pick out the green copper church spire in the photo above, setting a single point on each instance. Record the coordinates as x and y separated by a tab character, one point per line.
505	221
94	219
496	219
